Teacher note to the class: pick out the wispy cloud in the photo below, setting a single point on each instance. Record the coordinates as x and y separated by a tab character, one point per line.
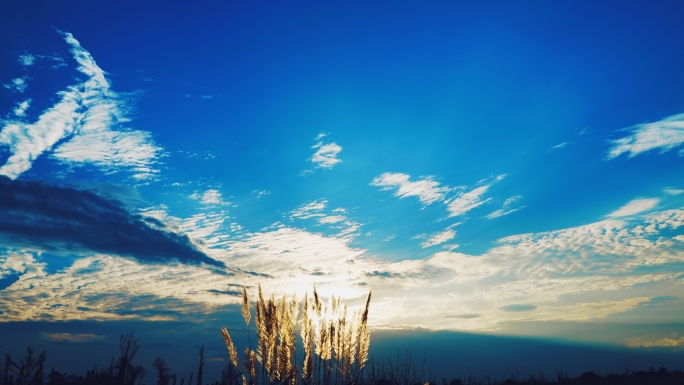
27	59
665	135
441	237
21	108
70	337
672	191
17	84
336	219
326	154
669	342
28	141
506	208
559	146
426	189
89	116
95	140
260	193
634	207
309	210
210	197
469	200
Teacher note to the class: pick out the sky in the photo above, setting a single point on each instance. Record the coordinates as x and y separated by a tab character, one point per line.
485	168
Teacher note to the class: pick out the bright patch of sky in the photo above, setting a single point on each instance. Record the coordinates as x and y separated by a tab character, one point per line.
476	166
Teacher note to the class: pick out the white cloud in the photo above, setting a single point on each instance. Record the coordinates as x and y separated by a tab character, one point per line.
472	199
206	97
21	108
438	238
332	219
28	141
672	191
310	210
17	84
326	155
210	197
665	135
94	141
426	189
86	116
260	193
27	59
467	201
506	207
559	146
583	273
634	207
337	220
502	212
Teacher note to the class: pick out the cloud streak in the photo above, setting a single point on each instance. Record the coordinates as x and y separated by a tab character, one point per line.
635	207
426	189
88	119
663	135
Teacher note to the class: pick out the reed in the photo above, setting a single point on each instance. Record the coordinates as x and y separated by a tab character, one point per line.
335	345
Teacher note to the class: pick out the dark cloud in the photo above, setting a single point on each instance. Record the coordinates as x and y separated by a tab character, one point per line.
59	219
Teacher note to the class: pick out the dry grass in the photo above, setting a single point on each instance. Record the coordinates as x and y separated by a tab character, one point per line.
335	344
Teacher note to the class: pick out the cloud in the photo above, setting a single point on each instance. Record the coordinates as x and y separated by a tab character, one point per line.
27	59
472	199
582	273
664	135
506	207
37	216
662	342
326	155
17	84
260	193
426	189
69	337
518	307
335	219
438	238
20	111
206	97
559	146
210	197
634	207
467	201
672	191
309	210
84	119
28	141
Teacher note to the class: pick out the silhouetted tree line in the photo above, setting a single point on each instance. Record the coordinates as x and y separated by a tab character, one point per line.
403	371
30	370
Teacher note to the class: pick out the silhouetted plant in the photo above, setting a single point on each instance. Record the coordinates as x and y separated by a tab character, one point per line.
163	376
335	345
201	366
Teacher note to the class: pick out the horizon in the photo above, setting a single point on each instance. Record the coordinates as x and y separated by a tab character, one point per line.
486	169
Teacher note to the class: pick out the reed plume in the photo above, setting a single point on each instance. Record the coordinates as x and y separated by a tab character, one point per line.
335	345
232	353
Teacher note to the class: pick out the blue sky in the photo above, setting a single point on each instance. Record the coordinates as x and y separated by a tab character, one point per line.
483	167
